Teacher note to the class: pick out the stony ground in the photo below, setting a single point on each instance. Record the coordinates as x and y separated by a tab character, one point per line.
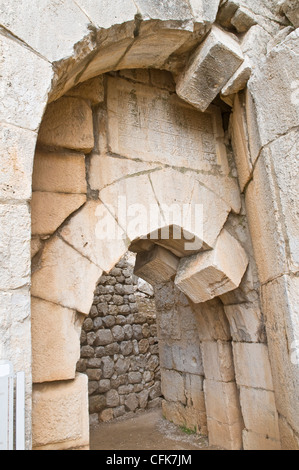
145	431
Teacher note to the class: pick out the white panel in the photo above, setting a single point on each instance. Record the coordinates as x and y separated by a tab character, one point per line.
4	413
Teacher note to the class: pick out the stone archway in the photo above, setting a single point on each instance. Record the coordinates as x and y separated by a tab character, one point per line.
96	198
55	65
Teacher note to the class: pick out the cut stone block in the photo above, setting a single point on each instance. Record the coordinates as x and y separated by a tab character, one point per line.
218	361
226	436
239	79
173	387
95	233
91	90
60	415
259	412
246	322
240	141
17	150
65	277
49	210
254	441
156	266
222	402
252	365
68	123
55	342
59	172
211	67
243	20
207	275
185	416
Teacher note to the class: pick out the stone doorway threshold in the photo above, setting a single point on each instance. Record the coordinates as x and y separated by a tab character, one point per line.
146	431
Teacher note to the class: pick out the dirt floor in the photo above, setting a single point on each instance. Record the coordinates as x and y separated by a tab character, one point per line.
145	431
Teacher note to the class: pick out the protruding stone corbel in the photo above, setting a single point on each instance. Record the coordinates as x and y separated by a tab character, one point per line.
207	275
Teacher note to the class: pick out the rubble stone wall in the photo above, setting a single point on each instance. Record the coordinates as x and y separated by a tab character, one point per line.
119	346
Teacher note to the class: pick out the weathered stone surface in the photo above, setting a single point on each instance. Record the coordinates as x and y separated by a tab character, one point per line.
24	90
15	245
207	275
239	80
271	243
106	170
95	233
147	50
211	67
280	71
194	392
65	24
212	323
230	436
243	20
185	416
156	266
173	388
55	342
222	403
108	14
240	141
254	441
189	205
103	337
60	415
252	365
246	322
154	118
17	149
49	210
259	412
91	90
218	361
59	172
58	279
68	123
280	303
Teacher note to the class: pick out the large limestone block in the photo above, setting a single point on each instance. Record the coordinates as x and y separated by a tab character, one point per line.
194	392
173	386
254	441
68	123
95	234
207	275
225	436
133	204
60	415
212	324
50	210
239	80
105	14
252	365
59	172
273	224
218	361
189	205
91	90
147	50
63	24
186	416
187	357
167	10
246	322
24	90
17	150
55	342
106	170
65	277
280	304
277	113
154	126
211	67
259	412
14	245
222	402
156	266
